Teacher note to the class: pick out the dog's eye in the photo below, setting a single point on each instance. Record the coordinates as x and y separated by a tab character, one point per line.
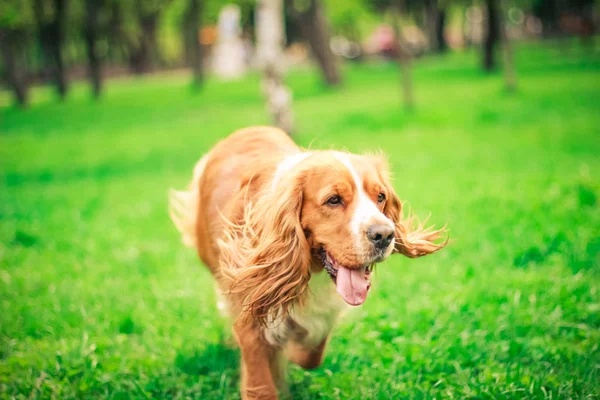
381	198
334	200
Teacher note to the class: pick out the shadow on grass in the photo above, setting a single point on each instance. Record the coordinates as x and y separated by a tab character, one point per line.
587	259
102	172
216	367
215	357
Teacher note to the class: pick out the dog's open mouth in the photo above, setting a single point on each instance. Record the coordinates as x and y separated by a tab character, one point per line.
352	284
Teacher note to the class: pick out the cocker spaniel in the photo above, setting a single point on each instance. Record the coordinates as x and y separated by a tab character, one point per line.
291	237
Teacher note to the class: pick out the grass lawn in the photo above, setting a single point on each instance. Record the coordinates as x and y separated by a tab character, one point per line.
99	299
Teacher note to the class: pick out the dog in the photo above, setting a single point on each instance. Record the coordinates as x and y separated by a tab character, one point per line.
291	237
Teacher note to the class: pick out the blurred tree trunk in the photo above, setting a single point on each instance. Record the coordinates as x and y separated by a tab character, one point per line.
91	32
315	29
430	22
11	45
59	38
510	74
491	36
435	24
193	48
270	38
146	53
404	56
548	11
118	40
440	28
51	37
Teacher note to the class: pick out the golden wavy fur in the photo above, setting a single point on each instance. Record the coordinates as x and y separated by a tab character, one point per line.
273	222
266	257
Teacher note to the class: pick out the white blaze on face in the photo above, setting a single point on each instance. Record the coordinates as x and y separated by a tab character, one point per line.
366	212
287	164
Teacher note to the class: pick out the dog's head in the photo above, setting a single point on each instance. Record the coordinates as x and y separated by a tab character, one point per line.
331	210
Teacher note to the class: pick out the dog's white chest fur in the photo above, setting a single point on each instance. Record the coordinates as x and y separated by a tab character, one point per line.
321	310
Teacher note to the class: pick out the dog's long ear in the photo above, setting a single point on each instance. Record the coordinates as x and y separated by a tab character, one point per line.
266	256
412	238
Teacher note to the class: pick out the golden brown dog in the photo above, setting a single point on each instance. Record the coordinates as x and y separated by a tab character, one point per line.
291	237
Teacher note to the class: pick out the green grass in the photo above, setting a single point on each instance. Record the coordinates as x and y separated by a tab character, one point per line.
98	298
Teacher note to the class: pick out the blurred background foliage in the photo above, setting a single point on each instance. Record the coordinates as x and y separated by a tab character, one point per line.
63	40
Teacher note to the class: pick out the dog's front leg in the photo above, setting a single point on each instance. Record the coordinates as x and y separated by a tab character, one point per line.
258	358
307	357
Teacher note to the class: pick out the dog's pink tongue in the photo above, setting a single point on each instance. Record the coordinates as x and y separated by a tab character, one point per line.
352	285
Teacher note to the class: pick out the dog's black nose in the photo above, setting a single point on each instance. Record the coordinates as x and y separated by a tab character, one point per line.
380	235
